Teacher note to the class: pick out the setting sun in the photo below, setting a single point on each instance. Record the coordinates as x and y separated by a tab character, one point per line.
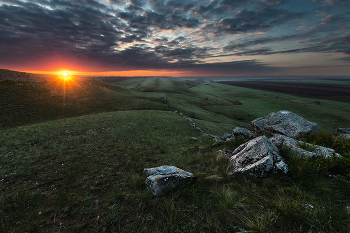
65	75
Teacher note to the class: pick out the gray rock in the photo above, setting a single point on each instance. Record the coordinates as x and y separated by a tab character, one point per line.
217	141
165	178
342	130
283	122
258	157
242	132
165	101
224	153
230	139
199	129
303	149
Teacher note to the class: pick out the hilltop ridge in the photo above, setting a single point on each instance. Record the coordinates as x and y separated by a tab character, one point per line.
17	76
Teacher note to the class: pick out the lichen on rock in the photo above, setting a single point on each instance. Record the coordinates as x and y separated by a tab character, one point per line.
283	122
165	178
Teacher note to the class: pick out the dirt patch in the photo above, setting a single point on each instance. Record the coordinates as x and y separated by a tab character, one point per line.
309	90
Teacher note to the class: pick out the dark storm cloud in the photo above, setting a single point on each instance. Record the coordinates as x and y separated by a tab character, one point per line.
335	45
250	21
122	34
336	3
273	2
242	45
339	45
33	31
182	54
312	39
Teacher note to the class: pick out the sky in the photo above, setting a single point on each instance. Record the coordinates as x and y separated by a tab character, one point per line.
176	37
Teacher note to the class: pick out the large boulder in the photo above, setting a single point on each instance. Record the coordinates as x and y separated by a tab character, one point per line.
303	149
283	122
165	178
257	157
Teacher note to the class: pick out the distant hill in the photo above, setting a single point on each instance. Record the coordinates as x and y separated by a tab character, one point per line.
6	74
28	98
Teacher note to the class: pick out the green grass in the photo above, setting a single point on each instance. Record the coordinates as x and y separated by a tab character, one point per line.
26	102
82	171
255	103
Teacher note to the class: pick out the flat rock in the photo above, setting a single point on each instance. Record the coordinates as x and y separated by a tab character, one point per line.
303	149
258	157
165	178
283	122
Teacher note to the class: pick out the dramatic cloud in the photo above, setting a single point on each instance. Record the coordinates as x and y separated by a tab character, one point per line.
226	37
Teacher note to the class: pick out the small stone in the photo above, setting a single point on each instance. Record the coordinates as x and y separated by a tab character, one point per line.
165	178
342	130
242	132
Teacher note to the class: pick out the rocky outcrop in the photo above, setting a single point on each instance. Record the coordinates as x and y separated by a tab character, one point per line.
283	122
303	149
258	157
161	180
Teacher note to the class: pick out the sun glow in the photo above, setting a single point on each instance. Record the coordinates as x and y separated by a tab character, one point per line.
65	75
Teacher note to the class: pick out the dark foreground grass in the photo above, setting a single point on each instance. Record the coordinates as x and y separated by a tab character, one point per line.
85	175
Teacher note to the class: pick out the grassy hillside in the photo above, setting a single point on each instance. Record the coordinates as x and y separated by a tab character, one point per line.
248	104
26	102
84	174
80	169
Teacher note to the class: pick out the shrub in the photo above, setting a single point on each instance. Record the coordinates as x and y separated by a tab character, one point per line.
339	143
305	166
